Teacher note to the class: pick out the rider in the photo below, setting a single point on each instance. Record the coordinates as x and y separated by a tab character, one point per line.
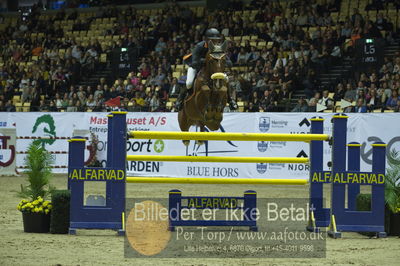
195	63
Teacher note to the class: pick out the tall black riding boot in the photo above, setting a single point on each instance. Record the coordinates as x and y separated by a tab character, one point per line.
181	98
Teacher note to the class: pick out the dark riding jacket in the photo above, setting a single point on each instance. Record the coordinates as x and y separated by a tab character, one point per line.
196	58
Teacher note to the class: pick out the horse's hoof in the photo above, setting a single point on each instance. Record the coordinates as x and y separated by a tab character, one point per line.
186	142
199	142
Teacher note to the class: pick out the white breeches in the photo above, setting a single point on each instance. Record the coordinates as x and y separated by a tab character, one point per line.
191	74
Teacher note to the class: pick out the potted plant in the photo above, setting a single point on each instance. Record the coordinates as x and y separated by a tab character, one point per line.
392	192
35	209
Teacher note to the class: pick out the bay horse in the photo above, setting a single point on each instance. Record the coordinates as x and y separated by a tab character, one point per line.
204	107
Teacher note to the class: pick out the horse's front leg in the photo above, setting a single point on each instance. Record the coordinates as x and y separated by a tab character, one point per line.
202	129
184	124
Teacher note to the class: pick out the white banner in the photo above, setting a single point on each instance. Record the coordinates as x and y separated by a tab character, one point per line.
363	128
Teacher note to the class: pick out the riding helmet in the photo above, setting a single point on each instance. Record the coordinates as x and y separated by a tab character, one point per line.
213	34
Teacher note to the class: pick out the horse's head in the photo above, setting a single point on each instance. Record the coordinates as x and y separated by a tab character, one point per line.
216	57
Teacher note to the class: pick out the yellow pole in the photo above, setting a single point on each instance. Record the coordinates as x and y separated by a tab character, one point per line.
225	136
216	159
202	180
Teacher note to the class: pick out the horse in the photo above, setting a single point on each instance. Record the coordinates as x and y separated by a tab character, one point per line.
204	107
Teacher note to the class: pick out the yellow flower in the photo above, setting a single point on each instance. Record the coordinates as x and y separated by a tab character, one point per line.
36	209
40	200
45	203
35	202
40	209
46	211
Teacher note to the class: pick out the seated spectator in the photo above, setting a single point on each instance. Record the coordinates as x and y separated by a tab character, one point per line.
79	106
373	100
268	102
154	103
99	90
139	99
100	104
241	57
360	106
391	103
255	100
326	100
285	96
234	84
387	92
174	88
312	103
71	106
91	102
65	102
43	106
360	95
301	106
275	77
58	102
160	77
81	94
287	79
25	86
250	54
339	93
350	94
161	45
262	84
396	66
144	71
251	108
52	107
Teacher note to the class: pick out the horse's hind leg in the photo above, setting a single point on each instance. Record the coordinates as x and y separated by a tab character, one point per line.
184	124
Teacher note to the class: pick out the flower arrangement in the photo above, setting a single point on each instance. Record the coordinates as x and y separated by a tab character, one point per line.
39	205
35	209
